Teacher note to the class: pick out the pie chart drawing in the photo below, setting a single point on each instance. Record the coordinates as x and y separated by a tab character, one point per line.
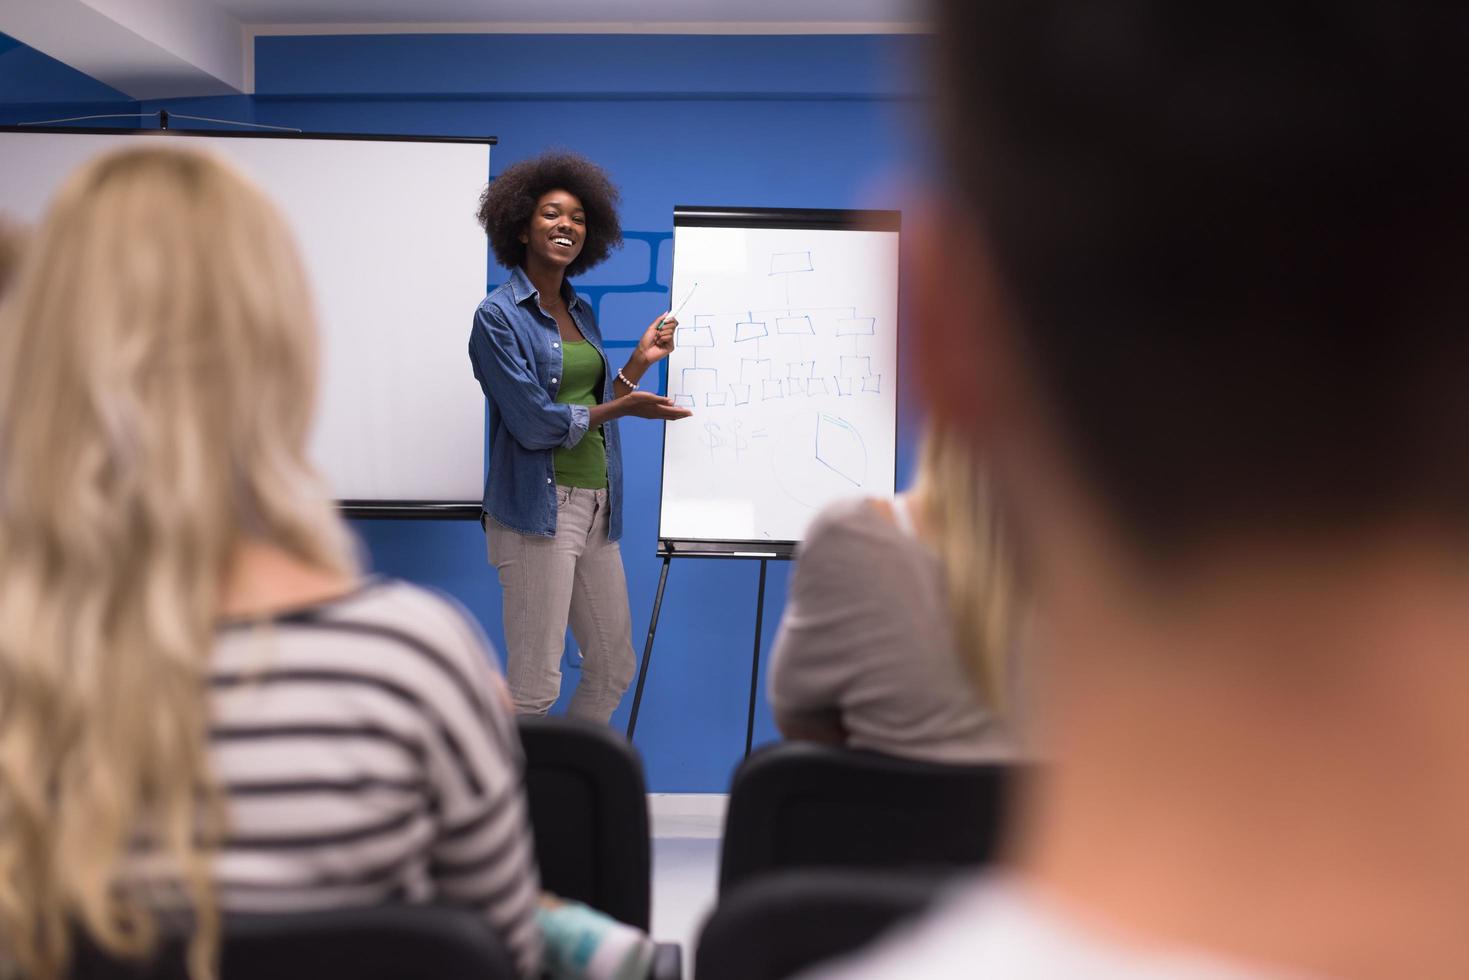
818	458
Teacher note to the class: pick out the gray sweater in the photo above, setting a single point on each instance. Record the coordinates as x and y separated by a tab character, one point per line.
866	637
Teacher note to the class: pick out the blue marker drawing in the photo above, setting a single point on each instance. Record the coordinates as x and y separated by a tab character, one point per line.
795	325
782	263
750	330
839	447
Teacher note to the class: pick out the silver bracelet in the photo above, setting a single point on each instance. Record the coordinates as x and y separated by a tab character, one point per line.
623	378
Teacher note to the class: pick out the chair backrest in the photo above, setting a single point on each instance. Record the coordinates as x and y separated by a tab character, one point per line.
589	813
402	942
802	804
800	918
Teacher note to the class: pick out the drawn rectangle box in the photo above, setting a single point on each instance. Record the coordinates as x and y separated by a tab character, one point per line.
755	369
770	389
784	262
800	325
801	369
750	330
872	384
855	367
697	380
694	337
857	326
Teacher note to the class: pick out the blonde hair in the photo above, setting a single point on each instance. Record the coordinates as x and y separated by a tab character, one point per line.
959	518
157	379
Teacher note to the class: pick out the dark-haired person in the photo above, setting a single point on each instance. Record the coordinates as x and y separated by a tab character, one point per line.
1197	291
553	493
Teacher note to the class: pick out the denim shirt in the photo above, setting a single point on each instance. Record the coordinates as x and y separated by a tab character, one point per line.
515	348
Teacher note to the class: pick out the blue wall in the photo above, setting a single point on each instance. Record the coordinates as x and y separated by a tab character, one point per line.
825	122
35	87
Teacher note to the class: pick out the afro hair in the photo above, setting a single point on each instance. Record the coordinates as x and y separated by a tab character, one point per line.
509	200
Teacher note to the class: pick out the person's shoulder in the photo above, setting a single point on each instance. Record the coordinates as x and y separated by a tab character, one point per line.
385	591
851	527
412	602
849	513
942	943
432	620
500	300
993	927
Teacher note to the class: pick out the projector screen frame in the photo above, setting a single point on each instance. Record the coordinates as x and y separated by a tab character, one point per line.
357	509
278	134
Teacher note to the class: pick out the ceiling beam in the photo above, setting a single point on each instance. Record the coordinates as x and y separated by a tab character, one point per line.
147	49
693	27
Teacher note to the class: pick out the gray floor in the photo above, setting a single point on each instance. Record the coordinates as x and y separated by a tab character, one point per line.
685	867
684	874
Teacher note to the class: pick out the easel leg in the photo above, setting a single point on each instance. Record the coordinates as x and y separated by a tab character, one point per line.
755	662
637	698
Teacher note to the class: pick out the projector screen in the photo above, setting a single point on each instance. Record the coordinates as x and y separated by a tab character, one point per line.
386	227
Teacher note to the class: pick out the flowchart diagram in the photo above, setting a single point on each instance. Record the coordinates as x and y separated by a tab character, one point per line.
785	352
787	356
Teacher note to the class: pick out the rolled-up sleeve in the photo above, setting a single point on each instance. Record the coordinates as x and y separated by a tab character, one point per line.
532	416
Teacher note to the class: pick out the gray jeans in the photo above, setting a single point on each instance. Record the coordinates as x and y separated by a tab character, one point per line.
576	575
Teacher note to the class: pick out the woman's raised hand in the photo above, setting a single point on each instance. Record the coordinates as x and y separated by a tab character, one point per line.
657	340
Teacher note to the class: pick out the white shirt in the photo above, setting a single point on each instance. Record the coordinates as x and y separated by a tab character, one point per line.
993	928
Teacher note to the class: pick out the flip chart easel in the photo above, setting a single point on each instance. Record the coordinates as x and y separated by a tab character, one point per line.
786	351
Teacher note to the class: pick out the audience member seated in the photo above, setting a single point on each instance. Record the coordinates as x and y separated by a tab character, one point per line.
205	706
898	633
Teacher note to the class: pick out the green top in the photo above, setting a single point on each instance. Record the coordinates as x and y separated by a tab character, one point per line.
585	464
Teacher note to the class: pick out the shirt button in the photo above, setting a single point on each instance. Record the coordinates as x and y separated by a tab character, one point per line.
553	380
548	479
555	344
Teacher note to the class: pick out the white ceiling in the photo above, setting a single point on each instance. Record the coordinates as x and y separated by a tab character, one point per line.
625	14
157	49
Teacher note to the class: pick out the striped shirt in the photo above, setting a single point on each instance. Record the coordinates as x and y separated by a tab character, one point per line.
366	758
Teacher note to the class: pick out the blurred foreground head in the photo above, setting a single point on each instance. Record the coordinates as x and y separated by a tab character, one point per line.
1229	246
12	241
1195	286
157	371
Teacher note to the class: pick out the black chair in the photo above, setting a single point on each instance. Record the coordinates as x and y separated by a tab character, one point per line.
589	814
800	918
802	804
402	942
